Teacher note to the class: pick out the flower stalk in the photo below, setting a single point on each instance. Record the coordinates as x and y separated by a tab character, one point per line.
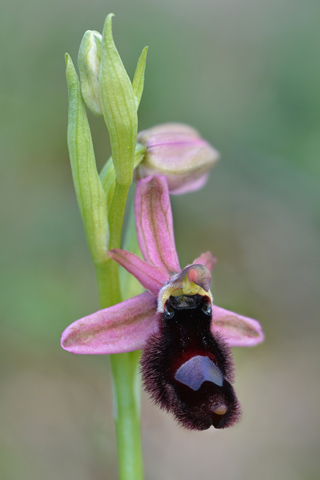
106	89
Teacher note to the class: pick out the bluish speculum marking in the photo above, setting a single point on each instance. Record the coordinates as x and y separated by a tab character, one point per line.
197	370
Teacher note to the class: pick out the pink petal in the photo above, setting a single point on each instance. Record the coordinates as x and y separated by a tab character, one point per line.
206	259
151	277
190	186
238	331
121	328
154	223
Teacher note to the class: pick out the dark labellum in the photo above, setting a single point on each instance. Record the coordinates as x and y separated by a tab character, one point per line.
187	370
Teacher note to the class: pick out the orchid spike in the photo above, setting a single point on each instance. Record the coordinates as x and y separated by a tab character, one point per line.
126	326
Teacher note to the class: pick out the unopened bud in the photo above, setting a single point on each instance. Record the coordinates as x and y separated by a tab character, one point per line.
89	60
178	152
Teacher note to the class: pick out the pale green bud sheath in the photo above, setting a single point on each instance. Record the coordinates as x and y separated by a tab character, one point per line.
118	106
89	59
108	174
119	101
91	196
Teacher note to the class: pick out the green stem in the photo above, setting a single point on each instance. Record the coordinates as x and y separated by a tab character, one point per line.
108	271
127	416
108	283
117	209
124	365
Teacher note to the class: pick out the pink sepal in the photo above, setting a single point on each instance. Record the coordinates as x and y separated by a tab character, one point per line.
151	277
206	259
154	223
121	328
238	331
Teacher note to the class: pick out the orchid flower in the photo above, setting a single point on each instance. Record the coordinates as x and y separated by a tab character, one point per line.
178	152
139	322
126	326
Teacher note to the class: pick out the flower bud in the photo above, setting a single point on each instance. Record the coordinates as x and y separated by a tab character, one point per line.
178	152
89	60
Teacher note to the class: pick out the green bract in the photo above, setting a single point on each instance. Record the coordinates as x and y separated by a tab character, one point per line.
138	79
118	106
89	59
91	196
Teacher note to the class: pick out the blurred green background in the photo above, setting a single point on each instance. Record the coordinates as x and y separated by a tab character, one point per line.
247	76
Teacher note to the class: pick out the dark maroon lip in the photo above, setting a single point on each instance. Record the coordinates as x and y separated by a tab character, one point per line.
187	370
